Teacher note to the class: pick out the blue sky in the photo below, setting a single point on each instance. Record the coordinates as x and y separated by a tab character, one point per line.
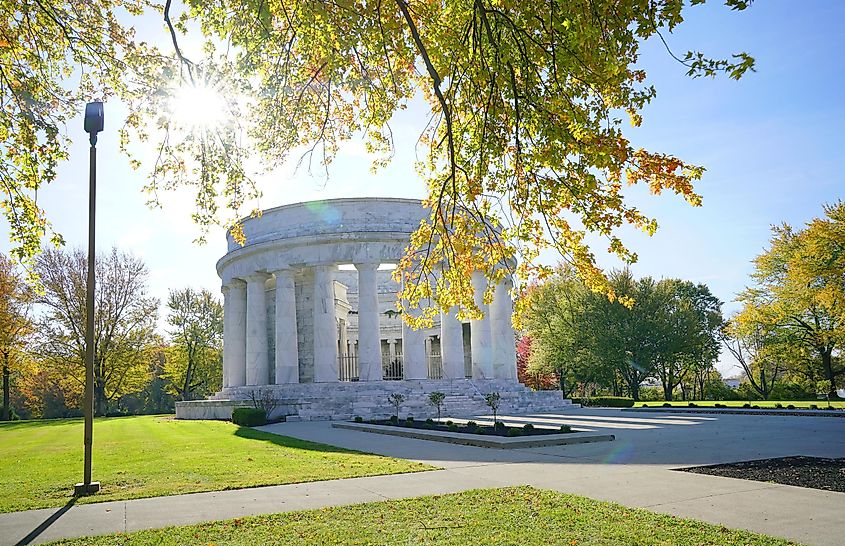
771	144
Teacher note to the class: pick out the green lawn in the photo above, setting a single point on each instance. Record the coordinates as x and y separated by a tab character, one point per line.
514	515
148	456
803	404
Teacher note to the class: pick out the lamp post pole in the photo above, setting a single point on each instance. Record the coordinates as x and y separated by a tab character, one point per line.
93	125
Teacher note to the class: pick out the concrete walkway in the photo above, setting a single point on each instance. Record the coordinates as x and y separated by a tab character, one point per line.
635	470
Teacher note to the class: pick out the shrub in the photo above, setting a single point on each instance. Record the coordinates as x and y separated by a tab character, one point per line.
453	428
394	419
746	406
512	431
249	417
410	420
790	406
498	425
645	405
429	421
436	399
395	400
493	399
778	406
565	428
692	405
814	406
472	424
717	405
611	402
449	423
528	427
755	406
667	405
359	419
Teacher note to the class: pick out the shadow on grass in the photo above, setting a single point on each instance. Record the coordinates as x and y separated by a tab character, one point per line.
44	525
289	442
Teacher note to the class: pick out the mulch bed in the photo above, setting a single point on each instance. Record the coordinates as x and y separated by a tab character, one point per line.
459	427
812	472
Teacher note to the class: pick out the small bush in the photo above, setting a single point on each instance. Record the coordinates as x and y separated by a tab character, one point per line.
429	421
565	428
692	405
610	402
480	431
513	431
778	406
790	406
359	419
499	425
449	423
249	417
410	420
814	406
755	406
667	405
394	419
645	405
453	428
746	406
719	405
472	424
528	427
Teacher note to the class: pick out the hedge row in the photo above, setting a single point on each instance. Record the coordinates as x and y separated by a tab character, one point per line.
249	417
610	402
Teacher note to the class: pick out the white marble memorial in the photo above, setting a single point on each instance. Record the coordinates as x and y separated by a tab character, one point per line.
309	310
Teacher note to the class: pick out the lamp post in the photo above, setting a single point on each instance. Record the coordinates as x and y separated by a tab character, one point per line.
93	125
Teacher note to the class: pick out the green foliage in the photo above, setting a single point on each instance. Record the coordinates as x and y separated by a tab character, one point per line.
611	402
796	306
249	417
522	107
565	428
194	364
395	399
436	399
671	332
359	419
528	427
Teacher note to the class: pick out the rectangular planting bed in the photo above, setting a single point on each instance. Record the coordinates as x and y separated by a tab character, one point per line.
540	437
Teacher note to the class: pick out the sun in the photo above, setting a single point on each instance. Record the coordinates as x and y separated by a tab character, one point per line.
198	106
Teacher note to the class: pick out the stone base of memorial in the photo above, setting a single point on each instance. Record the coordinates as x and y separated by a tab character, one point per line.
502	438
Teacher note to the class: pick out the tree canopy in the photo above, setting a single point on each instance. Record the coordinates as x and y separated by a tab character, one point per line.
670	333
524	148
798	296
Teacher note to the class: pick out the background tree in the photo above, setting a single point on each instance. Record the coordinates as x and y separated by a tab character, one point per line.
799	288
15	325
124	321
194	358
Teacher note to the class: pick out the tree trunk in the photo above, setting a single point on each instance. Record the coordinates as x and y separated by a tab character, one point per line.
6	373
827	363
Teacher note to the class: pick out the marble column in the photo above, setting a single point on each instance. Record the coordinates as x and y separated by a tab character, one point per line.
501	329
234	334
287	353
451	345
414	359
480	333
257	362
391	351
325	326
369	339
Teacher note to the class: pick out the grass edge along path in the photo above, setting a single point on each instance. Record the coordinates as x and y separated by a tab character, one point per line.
152	456
767	404
512	515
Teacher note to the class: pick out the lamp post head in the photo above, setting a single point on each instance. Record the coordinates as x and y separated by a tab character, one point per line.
93	120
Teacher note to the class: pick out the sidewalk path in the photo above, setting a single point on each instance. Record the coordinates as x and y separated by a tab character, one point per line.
635	470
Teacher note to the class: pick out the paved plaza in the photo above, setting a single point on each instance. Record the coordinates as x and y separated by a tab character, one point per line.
635	470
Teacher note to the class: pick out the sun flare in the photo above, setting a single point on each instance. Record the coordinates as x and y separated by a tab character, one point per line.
198	106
